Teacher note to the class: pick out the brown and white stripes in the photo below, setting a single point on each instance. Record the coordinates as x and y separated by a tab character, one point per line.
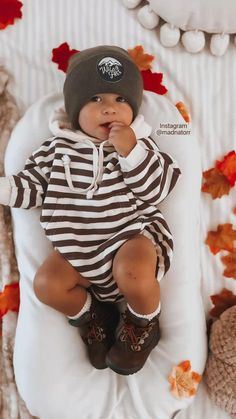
88	224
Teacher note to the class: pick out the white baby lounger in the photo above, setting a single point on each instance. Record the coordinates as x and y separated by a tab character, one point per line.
52	371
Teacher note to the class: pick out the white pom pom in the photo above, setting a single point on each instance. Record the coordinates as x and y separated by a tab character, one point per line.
147	17
219	44
169	35
193	41
131	4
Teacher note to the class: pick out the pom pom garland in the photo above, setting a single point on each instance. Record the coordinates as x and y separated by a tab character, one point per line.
169	35
193	40
131	4
148	18
219	44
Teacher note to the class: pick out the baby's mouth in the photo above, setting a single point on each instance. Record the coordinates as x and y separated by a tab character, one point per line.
106	125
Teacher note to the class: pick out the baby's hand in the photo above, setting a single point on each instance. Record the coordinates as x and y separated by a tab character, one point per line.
122	137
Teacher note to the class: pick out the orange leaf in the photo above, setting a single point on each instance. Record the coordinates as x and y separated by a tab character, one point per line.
222	301
141	59
9	299
222	239
228	167
182	108
234	211
230	262
183	381
216	183
185	366
196	377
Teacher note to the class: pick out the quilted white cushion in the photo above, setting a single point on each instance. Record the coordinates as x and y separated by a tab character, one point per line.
213	16
52	372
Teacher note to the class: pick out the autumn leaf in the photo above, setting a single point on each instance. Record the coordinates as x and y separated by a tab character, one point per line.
152	82
230	262
9	299
215	184
222	239
184	382
61	56
225	299
9	11
228	167
141	59
182	108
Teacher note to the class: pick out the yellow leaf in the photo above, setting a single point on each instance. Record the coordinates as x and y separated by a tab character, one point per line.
183	381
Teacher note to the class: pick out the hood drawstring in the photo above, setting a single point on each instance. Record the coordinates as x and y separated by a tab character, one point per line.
98	158
61	127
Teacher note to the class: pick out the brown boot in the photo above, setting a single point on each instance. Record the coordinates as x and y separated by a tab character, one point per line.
135	339
97	329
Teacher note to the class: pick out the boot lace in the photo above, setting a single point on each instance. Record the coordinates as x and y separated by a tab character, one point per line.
96	332
133	335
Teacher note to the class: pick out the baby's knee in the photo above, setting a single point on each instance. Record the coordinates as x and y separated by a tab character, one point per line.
43	287
133	269
133	278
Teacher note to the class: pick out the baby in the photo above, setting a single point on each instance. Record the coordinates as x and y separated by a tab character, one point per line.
99	180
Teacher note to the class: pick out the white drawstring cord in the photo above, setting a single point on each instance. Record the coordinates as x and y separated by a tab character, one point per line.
100	162
98	157
66	163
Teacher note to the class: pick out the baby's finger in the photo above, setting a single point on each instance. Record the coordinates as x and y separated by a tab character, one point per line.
114	131
116	124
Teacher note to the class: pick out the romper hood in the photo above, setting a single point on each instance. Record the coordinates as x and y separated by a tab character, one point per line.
60	126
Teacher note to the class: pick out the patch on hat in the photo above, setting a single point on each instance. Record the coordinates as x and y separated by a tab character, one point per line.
110	69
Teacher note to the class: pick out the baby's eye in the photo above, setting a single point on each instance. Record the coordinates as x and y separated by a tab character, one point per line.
121	99
96	99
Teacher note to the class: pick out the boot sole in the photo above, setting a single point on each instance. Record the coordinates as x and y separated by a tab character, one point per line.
121	371
131	370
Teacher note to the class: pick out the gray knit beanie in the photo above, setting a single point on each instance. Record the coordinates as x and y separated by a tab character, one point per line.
102	69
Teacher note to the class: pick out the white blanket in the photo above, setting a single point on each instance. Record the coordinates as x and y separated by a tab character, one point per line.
52	372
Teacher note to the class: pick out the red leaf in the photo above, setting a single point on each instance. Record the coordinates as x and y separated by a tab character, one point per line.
9	11
228	167
222	301
152	82
61	55
9	299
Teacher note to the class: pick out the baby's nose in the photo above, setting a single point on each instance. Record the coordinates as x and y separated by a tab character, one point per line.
108	109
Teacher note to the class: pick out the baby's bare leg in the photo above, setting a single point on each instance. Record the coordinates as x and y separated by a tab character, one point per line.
134	269
60	286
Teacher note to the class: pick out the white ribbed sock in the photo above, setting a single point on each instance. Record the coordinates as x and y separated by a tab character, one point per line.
83	310
146	316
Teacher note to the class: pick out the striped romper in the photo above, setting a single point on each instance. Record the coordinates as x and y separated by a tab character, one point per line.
94	200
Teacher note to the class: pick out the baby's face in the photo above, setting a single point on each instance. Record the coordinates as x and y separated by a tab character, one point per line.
103	109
